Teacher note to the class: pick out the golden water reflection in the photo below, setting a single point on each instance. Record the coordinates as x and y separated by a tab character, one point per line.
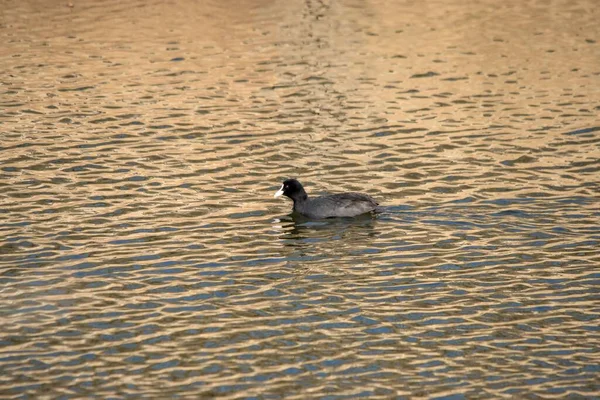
142	254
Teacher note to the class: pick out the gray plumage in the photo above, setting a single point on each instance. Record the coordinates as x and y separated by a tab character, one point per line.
329	206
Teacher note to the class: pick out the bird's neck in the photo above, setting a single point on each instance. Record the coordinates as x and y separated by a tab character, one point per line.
300	198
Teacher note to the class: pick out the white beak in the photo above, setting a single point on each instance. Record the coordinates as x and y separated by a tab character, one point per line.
279	192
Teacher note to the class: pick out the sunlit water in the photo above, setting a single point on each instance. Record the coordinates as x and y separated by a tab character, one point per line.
142	254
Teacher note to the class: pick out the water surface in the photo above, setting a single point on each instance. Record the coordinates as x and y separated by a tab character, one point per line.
143	256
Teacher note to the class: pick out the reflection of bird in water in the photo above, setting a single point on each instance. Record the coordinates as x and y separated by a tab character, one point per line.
299	231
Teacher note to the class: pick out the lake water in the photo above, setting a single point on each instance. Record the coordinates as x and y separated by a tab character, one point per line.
142	254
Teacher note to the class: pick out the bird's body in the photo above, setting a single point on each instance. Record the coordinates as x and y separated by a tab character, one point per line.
348	204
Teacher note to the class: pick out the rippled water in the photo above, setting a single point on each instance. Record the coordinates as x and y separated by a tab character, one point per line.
143	256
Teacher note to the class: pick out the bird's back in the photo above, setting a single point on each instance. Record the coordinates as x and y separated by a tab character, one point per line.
337	205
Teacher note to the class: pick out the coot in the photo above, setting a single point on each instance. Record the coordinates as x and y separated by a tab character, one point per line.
328	206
